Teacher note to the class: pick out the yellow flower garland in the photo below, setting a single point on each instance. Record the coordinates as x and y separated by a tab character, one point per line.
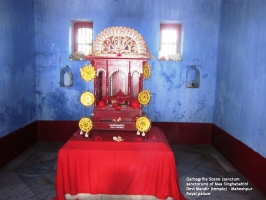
87	99
85	124
87	73
144	97
143	124
146	71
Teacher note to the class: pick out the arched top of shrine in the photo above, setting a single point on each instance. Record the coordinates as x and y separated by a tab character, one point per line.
120	41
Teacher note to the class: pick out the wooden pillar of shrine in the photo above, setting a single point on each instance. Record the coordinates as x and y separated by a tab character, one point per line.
140	82
129	83
95	85
100	85
107	83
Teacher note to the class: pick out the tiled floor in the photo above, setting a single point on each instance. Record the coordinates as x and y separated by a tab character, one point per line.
31	175
204	161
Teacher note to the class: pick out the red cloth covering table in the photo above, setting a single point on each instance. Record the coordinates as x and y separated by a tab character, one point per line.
100	165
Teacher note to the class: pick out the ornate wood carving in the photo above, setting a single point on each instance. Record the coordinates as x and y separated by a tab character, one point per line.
118	41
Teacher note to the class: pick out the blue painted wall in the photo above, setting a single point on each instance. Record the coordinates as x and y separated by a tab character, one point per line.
240	104
171	101
17	67
227	36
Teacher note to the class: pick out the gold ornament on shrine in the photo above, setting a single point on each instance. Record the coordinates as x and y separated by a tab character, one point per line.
87	73
146	71
87	99
143	124
144	97
85	124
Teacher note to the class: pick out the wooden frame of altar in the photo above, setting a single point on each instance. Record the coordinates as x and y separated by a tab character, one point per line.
116	88
119	57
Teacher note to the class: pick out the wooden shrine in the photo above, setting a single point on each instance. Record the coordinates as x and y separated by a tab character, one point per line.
119	58
116	88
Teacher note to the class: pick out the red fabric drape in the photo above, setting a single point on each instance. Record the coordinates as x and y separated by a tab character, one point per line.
100	165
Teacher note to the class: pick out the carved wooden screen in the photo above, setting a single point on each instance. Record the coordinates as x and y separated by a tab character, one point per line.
120	40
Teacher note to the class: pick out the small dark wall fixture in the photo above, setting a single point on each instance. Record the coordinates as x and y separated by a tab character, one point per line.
193	77
66	77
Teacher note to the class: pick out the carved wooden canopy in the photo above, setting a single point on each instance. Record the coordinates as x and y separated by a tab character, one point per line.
120	41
